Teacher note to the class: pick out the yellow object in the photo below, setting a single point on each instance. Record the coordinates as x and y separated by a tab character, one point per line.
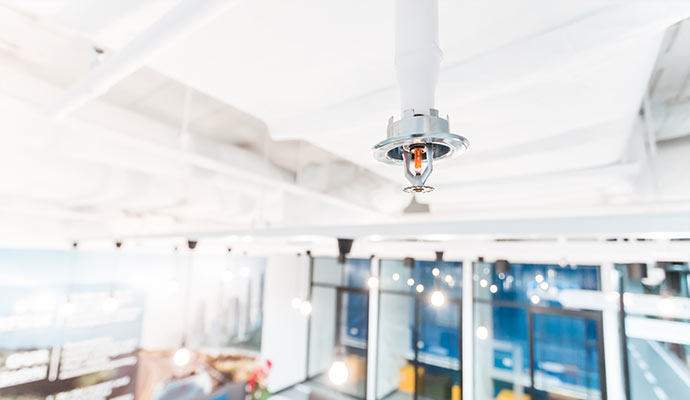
455	392
506	394
356	367
406	381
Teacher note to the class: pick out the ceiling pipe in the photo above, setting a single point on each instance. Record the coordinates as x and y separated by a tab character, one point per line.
187	17
417	53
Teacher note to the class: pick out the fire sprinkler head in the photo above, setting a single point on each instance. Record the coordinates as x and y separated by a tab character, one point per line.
415	139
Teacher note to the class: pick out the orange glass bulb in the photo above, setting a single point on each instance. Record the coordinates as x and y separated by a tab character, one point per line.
418	158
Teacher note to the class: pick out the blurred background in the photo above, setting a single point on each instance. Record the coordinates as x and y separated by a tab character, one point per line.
190	209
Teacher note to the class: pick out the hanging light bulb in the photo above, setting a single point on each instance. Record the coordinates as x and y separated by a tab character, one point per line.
438	298
419	288
182	357
410	282
338	372
435	271
373	282
110	304
305	308
482	332
396	276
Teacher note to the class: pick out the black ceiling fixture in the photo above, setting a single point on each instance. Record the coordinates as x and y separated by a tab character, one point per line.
344	248
637	271
502	266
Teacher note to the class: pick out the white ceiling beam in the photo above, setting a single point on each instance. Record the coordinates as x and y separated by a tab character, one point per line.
179	22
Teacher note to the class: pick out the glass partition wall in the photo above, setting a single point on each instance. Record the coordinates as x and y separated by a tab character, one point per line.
530	339
419	325
527	344
656	334
338	326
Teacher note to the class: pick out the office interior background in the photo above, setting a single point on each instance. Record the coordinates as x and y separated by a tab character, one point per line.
398	199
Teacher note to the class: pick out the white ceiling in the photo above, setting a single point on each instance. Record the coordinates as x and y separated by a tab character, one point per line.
287	98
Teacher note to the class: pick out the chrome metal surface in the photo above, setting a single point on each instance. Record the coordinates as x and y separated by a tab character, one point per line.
415	128
418	179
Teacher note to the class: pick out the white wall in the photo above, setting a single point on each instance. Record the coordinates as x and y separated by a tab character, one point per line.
284	334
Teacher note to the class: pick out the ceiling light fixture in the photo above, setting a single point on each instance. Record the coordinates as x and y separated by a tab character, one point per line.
420	135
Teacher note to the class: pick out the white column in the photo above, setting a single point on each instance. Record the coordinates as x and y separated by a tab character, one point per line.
467	329
373	335
284	333
611	328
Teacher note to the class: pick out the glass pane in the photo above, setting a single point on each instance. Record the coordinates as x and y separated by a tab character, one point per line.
533	283
322	330
658	370
501	352
357	271
354	273
339	335
433	275
438	354
566	357
662	278
394	275
395	378
327	271
657	326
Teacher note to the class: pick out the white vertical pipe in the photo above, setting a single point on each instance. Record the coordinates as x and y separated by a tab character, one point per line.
373	328
467	329
180	21
611	328
417	54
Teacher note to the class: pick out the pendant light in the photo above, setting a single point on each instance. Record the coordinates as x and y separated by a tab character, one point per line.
228	275
304	306
173	282
437	298
338	372
111	303
68	306
182	356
